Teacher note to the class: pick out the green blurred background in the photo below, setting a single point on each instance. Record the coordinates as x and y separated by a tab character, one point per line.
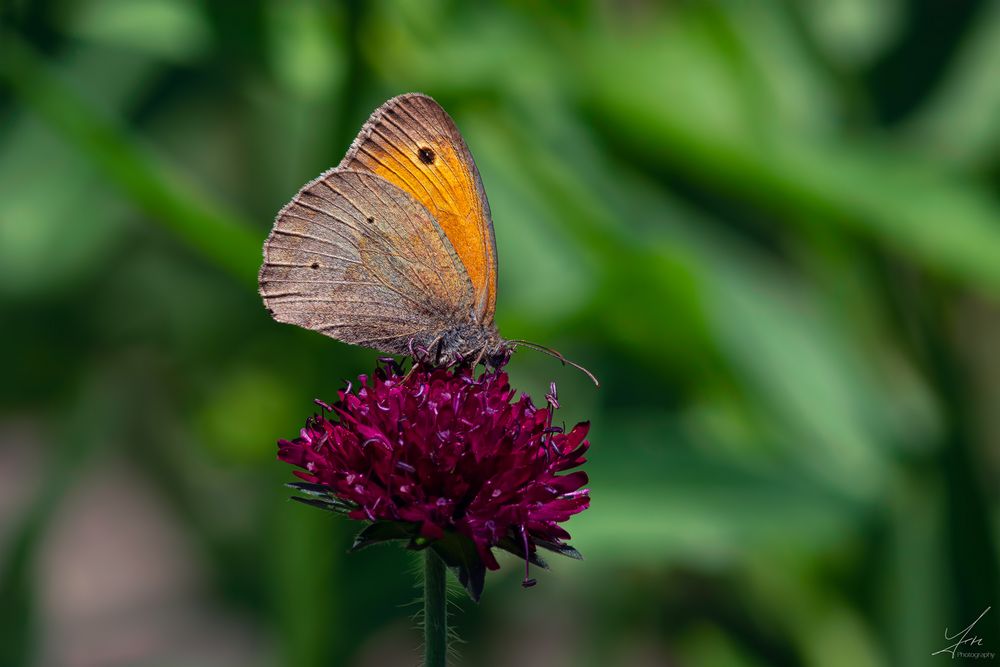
770	228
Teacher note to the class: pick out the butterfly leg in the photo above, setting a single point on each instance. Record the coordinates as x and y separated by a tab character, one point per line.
479	357
418	355
422	354
413	367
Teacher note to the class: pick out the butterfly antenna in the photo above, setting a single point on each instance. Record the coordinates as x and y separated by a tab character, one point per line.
555	353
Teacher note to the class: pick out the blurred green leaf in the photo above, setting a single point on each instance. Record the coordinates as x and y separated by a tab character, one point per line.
960	123
854	32
304	587
909	205
57	220
240	410
169	29
302	35
165	197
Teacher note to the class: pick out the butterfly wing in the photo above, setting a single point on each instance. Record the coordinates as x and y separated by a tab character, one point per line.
356	258
413	143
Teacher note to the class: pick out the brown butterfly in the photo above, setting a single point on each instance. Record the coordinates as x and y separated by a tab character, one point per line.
393	249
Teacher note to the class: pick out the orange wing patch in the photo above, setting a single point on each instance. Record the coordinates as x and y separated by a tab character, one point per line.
412	143
450	198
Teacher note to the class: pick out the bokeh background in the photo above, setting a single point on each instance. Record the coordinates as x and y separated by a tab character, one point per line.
771	228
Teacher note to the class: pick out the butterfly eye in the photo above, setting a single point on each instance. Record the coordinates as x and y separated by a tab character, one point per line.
426	155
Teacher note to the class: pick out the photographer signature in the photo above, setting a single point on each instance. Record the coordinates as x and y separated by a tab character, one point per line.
963	639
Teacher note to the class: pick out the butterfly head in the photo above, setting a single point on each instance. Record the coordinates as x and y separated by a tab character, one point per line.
476	343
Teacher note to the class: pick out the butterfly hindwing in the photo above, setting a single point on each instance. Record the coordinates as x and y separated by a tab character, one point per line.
362	261
411	142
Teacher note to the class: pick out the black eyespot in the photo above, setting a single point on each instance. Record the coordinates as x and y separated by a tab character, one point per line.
315	265
426	155
371	220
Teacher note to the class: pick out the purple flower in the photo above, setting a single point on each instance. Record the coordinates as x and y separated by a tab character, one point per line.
445	460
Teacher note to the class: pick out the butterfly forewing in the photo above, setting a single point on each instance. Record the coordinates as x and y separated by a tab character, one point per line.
362	261
411	142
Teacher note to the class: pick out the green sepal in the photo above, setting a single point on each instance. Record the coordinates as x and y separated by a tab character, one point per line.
328	504
510	545
459	553
564	549
384	531
321	497
311	489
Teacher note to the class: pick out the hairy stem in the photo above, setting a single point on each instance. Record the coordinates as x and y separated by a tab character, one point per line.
435	611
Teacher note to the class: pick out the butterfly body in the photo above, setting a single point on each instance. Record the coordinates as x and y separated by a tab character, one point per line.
469	341
393	249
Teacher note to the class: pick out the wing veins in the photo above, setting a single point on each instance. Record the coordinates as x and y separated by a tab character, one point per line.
405	162
433	122
313	221
314	238
430	174
377	233
314	252
416	257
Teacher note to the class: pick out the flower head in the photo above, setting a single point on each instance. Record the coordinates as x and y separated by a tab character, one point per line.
446	460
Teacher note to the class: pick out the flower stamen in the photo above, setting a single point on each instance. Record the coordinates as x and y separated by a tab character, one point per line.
527	583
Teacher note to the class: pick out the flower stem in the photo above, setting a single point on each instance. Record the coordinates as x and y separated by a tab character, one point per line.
435	611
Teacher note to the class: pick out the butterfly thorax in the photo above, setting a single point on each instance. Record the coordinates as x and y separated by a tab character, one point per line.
470	341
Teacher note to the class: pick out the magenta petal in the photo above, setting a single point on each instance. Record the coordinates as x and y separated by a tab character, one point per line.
446	451
570	482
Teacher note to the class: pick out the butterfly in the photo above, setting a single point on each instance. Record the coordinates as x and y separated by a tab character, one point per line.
393	249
